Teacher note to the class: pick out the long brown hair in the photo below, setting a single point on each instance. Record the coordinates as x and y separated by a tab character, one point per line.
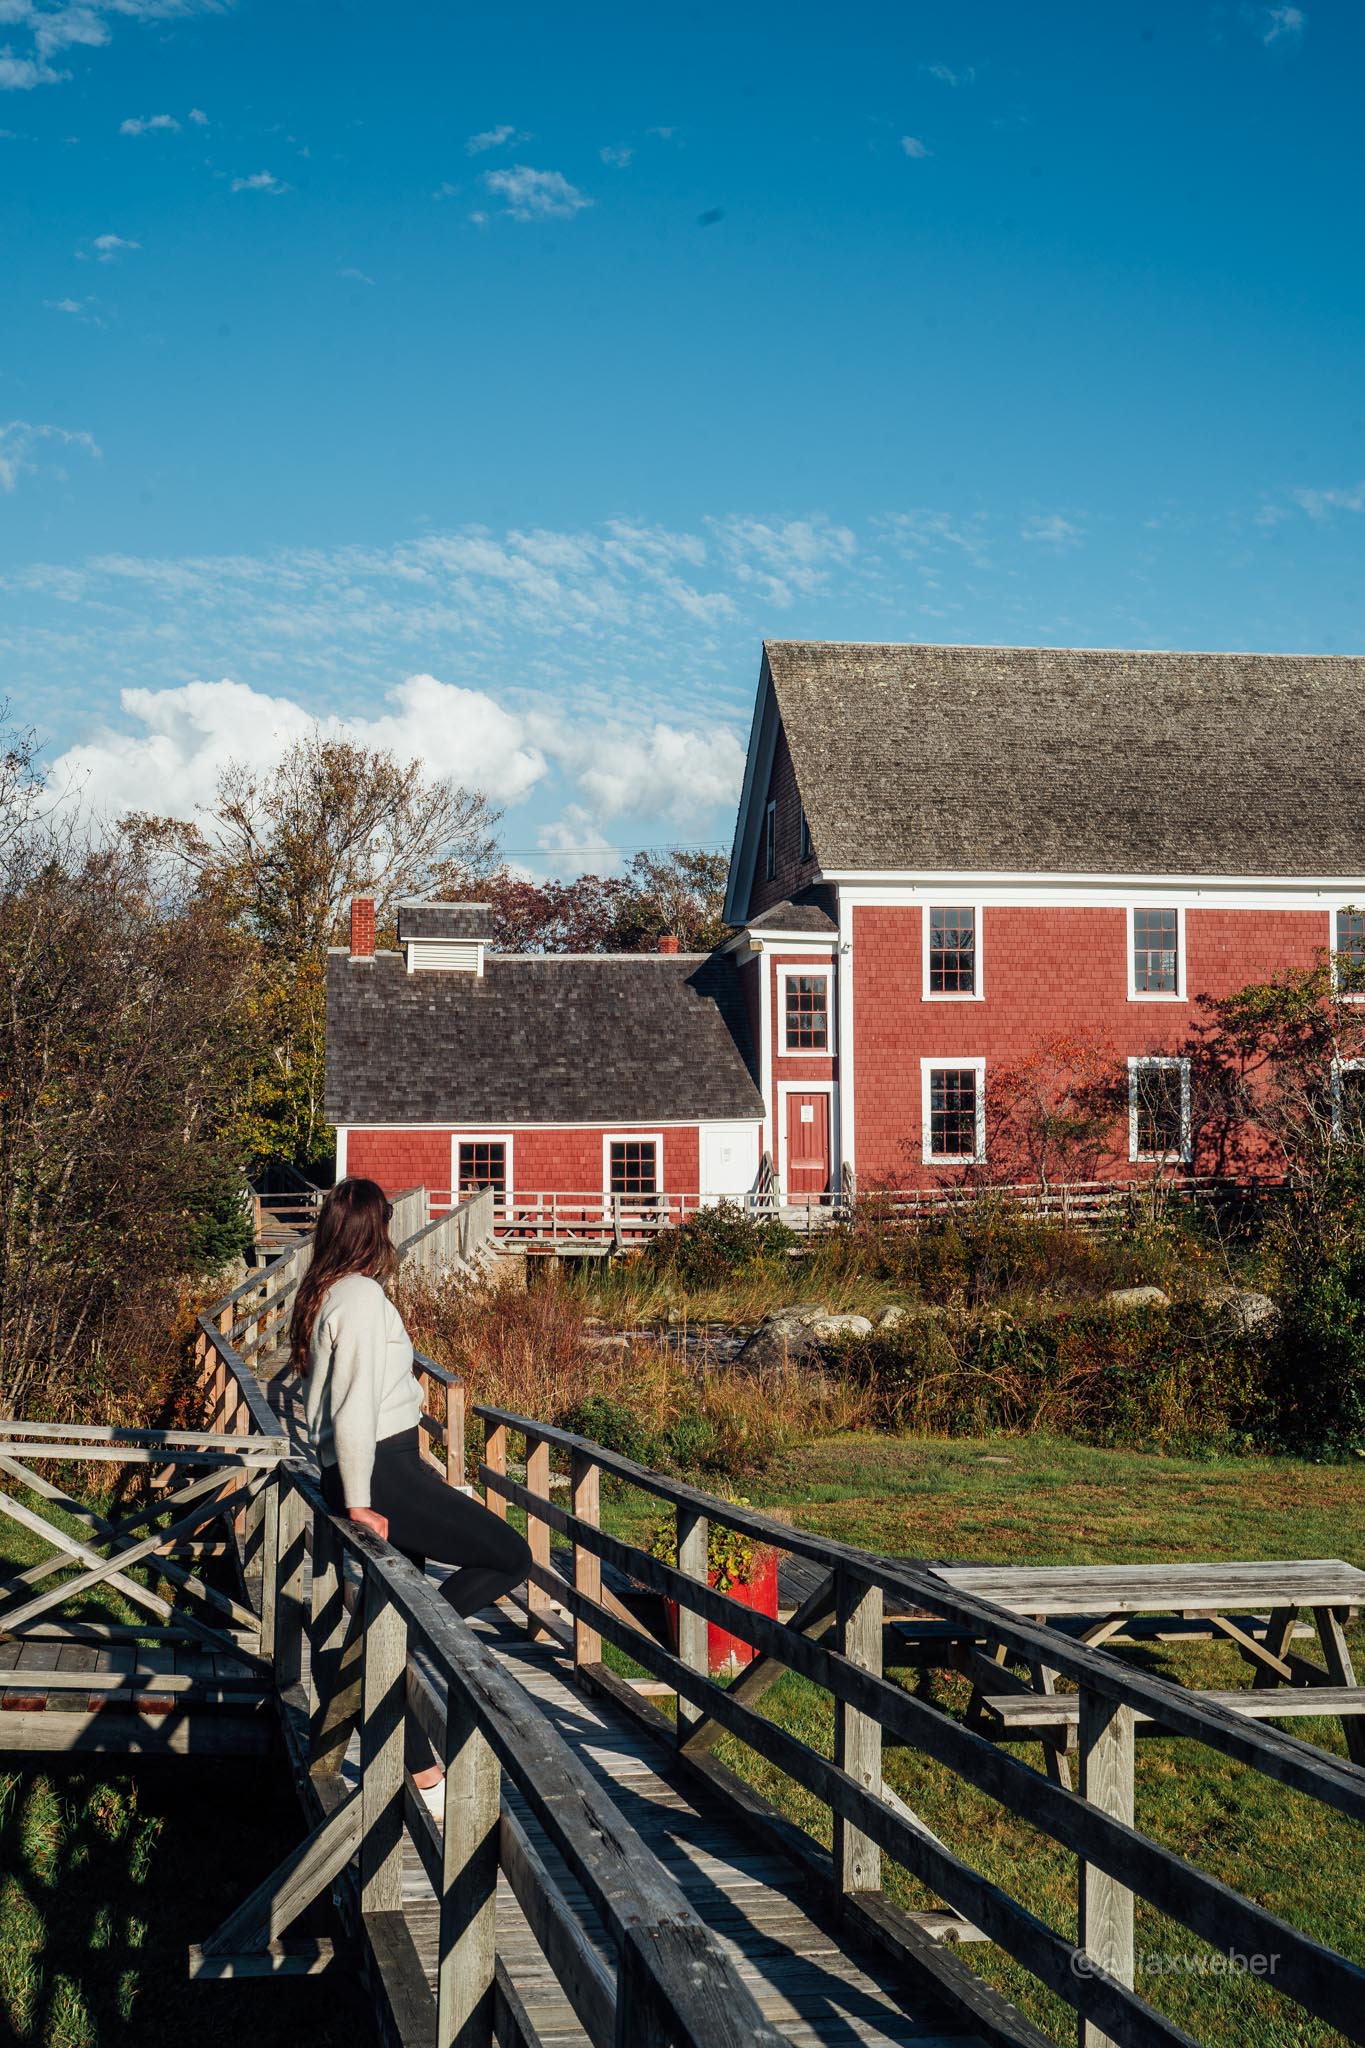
352	1236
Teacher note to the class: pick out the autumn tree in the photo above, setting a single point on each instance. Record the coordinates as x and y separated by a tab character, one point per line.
682	892
1052	1116
281	853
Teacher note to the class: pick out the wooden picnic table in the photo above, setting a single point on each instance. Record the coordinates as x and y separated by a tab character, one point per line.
1257	1606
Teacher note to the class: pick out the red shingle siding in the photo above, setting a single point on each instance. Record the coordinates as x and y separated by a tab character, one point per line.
1046	973
543	1161
792	873
801	1066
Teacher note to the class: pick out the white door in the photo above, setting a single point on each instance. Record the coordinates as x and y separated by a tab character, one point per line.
729	1160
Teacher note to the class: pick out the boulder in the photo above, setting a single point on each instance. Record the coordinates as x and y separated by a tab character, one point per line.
1253	1314
897	1314
798	1335
1137	1298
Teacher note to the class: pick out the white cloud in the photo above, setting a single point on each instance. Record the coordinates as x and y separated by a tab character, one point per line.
199	117
20	441
175	742
259	181
355	276
927	537
1318	504
618	159
536	195
77	309
494	138
21	74
1052	530
140	124
947	76
784	558
108	248
1281	24
913	147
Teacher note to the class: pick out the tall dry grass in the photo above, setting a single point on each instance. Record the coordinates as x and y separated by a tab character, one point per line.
533	1353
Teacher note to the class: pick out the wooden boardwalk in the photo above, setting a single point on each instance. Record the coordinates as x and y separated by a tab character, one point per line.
816	1987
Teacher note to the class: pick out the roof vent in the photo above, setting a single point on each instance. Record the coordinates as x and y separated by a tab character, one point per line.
447	937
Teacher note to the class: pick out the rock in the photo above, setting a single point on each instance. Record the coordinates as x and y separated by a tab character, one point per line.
798	1335
1255	1315
1136	1298
897	1314
606	1343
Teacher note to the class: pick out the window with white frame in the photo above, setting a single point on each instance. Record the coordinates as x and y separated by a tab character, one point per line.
482	1163
770	841
1348	1101
633	1166
954	1111
1348	953
951	965
1155	952
1159	1109
805	1012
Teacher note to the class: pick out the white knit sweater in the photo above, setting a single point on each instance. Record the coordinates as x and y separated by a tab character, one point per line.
360	1385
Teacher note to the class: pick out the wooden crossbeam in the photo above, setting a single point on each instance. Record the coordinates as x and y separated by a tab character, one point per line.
188	1581
246	1936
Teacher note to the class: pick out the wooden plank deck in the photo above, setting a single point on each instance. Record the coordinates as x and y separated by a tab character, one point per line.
820	1989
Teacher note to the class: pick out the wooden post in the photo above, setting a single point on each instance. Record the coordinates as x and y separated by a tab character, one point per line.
466	1951
291	1522
694	1539
495	1457
538	1536
858	1737
585	1503
455	1428
640	2019
328	1630
1106	1905
263	1542
383	1711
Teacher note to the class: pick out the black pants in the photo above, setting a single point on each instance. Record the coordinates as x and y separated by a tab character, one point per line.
428	1519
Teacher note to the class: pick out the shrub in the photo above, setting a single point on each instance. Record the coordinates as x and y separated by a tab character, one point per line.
729	1555
715	1243
616	1425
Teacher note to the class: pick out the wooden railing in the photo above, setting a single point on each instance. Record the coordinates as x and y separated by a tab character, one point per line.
374	1645
835	1640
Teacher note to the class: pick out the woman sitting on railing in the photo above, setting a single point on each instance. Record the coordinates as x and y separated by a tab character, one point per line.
363	1406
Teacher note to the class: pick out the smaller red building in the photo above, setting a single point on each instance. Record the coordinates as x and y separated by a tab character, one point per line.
454	1067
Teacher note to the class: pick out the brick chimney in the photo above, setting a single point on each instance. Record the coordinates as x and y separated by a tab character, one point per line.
362	927
669	943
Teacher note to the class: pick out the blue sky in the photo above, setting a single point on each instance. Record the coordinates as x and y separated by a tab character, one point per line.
494	380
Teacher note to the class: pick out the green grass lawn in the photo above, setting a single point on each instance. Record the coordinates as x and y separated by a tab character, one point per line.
1039	1501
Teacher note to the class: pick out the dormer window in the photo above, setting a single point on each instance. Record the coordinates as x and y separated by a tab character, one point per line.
770	841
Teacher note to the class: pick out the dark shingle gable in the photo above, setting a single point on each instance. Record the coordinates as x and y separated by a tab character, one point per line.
550	1039
1041	760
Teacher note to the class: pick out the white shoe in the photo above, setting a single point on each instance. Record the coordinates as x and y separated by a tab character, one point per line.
433	1797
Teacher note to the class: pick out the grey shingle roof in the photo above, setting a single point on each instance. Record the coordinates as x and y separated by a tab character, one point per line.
1076	760
795	914
545	1039
445	921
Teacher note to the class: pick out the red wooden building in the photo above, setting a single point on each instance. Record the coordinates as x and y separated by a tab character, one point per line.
944	856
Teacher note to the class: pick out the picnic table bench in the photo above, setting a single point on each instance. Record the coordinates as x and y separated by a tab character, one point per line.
1257	1606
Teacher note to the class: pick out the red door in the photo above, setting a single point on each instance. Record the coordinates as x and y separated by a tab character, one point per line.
807	1146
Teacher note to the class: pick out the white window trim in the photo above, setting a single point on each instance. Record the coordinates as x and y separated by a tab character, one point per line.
1350	995
786	1089
1340	1067
1179	994
814	969
654	1138
1183	1156
770	840
458	1138
951	1063
978	993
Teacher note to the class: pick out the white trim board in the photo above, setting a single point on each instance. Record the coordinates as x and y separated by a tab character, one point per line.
618	1130
939	1063
789	1088
1032	891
